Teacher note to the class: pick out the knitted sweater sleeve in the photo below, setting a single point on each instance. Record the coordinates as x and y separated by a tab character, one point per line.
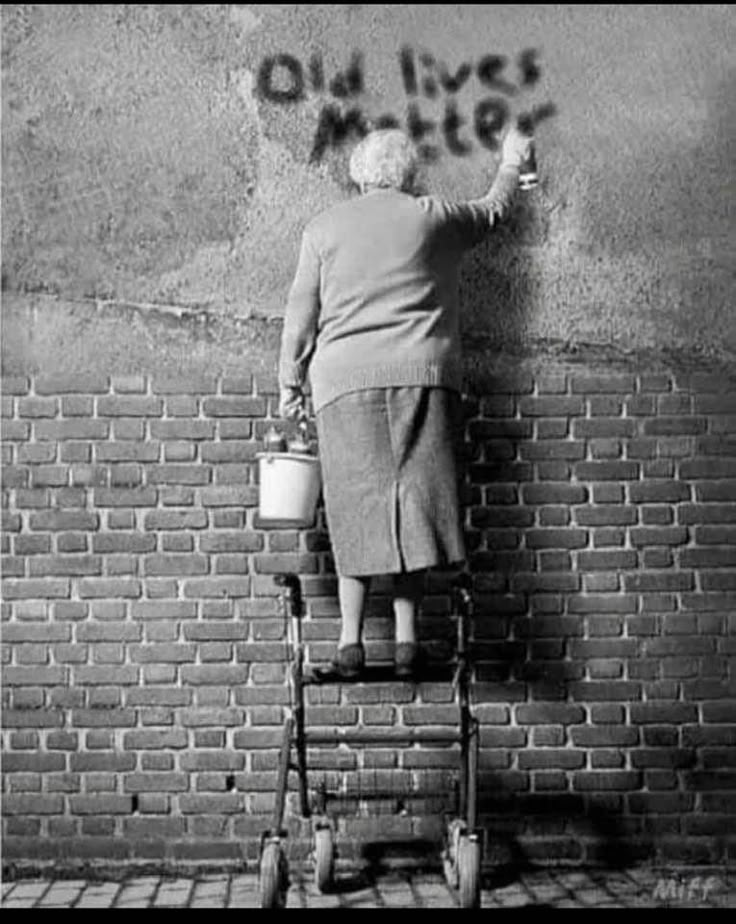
472	220
301	317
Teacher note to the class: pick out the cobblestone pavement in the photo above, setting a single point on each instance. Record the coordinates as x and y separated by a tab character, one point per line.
713	887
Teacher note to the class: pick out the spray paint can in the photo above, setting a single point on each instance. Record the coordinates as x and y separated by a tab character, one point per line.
528	176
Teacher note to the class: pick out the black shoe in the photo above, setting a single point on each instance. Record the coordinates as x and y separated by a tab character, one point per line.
407	658
349	661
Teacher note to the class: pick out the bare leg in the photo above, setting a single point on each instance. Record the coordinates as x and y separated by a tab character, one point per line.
352	592
407	597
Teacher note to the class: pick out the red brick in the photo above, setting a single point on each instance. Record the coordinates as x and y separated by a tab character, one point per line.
127	452
552	493
597	384
551	759
155	782
103	718
231	542
605	405
175	564
155	739
214	675
706	513
37	407
129	406
549	449
123	542
239	428
23	589
41	565
231	451
77	406
102	676
606	449
121	497
229	496
549	713
32	804
551	406
178	474
708	468
606	515
657	516
671	426
182	429
70	429
109	587
600	691
556	538
607	471
258	738
234	407
716	490
72	542
107	804
175	519
175	542
35	453
221	804
181	406
218	587
163	609
60	520
717	580
180	451
481	517
604	561
655	581
16	430
14	385
165	653
708	558
35	676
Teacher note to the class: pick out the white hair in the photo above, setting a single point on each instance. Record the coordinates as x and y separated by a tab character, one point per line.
385	157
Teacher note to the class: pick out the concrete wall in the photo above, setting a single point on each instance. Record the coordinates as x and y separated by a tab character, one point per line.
152	164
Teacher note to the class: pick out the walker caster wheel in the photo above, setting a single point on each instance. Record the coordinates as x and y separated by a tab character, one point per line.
324	858
273	881
468	869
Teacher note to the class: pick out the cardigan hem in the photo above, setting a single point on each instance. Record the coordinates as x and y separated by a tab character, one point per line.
339	382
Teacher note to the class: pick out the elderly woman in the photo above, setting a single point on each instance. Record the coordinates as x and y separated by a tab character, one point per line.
372	316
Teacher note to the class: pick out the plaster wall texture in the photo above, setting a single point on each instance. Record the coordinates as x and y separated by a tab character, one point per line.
145	177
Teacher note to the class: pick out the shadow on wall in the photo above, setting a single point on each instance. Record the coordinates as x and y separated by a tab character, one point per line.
498	295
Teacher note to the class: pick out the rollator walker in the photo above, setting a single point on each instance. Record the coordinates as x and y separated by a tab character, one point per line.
462	847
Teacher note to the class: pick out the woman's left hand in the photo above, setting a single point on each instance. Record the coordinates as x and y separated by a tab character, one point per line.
291	403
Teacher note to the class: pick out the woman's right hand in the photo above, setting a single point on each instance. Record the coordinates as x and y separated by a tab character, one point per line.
515	148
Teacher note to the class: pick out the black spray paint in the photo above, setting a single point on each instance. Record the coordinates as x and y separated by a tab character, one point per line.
284	81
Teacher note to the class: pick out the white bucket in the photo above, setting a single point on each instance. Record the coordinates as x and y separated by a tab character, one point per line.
290	483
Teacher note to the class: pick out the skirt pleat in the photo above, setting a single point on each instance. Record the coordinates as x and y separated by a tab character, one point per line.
390	480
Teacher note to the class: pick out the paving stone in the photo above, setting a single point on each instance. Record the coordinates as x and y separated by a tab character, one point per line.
633	888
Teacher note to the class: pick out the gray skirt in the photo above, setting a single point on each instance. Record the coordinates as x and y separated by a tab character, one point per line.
390	480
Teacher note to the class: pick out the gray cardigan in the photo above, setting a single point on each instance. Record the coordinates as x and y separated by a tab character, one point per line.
373	302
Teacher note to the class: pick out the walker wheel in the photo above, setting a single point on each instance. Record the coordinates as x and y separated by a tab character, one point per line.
468	867
274	876
324	858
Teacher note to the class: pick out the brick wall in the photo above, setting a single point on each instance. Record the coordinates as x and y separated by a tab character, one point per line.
143	674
